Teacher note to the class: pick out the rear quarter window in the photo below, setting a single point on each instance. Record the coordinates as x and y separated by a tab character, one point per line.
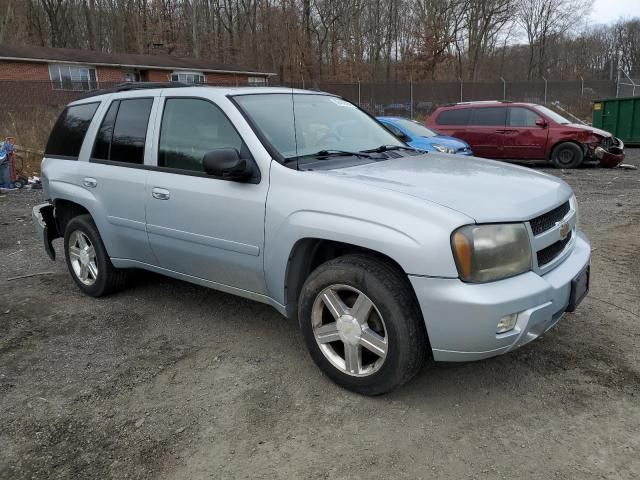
459	116
70	129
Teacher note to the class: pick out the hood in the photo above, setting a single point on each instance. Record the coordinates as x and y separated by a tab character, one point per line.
485	190
427	143
587	128
449	141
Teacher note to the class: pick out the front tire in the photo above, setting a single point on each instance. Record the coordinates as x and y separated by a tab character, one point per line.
362	324
87	259
567	155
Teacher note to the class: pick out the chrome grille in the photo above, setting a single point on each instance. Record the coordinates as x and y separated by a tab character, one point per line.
548	254
548	220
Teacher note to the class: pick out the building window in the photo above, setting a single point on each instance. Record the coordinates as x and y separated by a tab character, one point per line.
188	77
131	75
73	77
257	81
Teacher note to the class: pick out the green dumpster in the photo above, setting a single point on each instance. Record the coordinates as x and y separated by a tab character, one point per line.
620	116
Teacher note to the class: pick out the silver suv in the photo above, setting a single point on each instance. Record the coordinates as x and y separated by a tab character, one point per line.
301	200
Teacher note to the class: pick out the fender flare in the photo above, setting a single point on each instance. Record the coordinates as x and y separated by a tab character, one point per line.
309	224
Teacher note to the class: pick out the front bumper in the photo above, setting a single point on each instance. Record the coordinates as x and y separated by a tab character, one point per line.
45	226
612	156
461	318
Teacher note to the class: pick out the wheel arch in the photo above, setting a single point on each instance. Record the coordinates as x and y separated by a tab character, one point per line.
565	140
310	252
65	211
71	200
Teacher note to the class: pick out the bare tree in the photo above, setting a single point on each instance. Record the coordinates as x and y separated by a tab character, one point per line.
543	19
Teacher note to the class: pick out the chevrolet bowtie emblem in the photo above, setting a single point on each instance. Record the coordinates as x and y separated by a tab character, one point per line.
564	230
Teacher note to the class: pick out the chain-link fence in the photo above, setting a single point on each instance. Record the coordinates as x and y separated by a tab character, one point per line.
29	109
628	84
418	100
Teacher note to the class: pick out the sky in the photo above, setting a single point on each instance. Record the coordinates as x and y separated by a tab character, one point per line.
606	11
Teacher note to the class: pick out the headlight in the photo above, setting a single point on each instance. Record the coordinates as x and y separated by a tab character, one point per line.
484	253
443	149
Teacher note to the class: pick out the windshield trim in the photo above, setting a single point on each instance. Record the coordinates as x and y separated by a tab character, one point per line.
269	147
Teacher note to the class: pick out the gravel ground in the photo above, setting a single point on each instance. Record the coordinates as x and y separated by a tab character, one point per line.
170	380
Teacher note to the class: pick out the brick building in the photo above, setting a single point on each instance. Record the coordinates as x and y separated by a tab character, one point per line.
76	70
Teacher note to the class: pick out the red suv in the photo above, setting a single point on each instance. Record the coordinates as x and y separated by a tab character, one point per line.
526	131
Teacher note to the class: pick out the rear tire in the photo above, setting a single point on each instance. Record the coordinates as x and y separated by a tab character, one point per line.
375	340
87	259
567	155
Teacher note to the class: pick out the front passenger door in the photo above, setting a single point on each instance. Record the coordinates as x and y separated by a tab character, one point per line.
523	137
198	225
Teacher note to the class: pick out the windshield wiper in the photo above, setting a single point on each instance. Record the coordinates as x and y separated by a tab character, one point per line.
322	154
386	148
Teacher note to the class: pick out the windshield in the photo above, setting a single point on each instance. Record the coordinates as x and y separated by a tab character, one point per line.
552	115
304	124
414	128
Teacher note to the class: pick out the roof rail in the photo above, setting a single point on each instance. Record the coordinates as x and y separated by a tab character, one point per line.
481	102
128	86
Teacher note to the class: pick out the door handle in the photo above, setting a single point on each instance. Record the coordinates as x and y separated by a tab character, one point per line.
90	182
160	194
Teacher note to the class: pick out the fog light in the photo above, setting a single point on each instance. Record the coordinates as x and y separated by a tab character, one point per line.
506	323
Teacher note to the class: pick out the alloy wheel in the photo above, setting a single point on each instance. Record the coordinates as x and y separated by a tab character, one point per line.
349	330
83	258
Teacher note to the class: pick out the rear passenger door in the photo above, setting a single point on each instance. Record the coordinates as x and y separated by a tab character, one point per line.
115	175
485	132
199	225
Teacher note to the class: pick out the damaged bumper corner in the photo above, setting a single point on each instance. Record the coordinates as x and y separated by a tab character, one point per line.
611	156
44	224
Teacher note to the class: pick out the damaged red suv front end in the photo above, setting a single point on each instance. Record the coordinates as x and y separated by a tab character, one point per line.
608	151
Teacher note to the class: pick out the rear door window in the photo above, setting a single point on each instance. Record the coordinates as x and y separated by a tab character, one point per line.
123	132
103	138
70	129
522	117
459	116
489	116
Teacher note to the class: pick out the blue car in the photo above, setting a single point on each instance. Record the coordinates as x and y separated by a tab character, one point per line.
419	136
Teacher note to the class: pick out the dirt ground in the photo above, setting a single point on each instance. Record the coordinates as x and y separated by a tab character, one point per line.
173	381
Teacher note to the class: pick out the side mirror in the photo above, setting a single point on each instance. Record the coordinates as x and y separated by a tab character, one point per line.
541	123
226	163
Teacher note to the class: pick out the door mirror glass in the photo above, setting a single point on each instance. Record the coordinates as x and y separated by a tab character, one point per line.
541	122
226	163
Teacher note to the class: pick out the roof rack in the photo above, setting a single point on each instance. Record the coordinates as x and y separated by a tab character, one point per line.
128	86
